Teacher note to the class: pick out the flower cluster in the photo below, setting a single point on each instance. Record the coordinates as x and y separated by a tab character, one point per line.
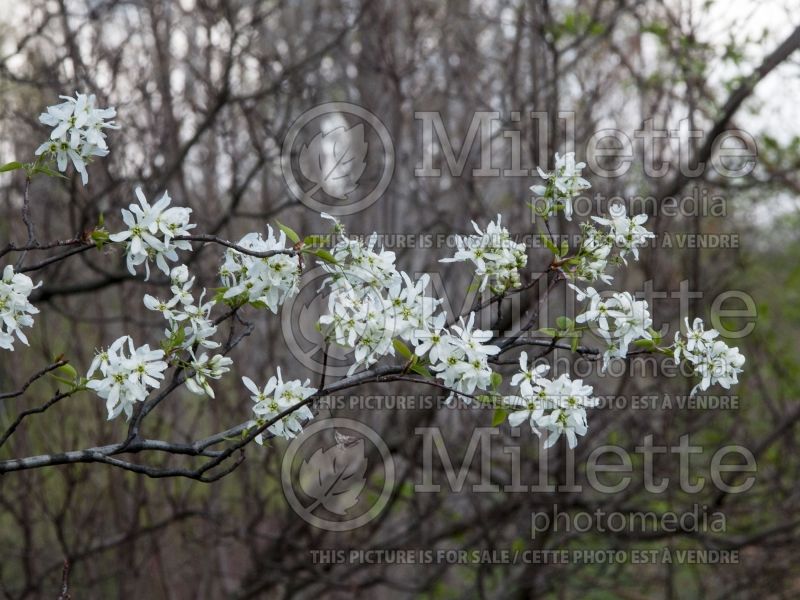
623	233
563	184
557	406
205	368
497	258
277	397
713	360
152	231
126	376
626	232
370	302
15	309
189	323
618	319
269	280
463	358
77	133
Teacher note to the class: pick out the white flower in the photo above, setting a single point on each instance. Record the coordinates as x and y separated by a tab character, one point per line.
594	254
435	341
529	408
497	258
126	378
15	309
77	134
151	232
269	281
471	341
714	361
276	398
558	406
619	320
627	233
564	421
526	377
189	324
563	183
697	339
718	363
206	368
466	367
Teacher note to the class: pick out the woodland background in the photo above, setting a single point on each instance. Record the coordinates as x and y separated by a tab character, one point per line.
206	91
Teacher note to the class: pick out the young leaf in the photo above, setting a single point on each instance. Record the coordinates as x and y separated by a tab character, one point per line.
499	415
496	379
421	370
12	166
290	233
69	371
564	323
402	349
325	255
49	172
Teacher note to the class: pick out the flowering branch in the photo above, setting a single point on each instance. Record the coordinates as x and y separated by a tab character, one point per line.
374	310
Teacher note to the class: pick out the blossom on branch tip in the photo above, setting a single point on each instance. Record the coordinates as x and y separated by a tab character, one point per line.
126	376
152	231
77	134
276	397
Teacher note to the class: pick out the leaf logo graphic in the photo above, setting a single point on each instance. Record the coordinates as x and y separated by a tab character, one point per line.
335	477
335	160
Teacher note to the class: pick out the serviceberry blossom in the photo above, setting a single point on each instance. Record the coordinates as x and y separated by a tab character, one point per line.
555	406
268	281
370	302
563	184
497	258
626	232
618	319
189	323
275	398
15	309
713	360
77	134
152	231
466	367
126	376
592	259
205	368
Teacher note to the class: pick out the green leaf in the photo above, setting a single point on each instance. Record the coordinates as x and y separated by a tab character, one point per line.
499	416
69	371
549	244
564	247
12	166
646	344
574	343
421	370
401	348
564	323
495	379
290	233
549	331
655	334
325	255
49	172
